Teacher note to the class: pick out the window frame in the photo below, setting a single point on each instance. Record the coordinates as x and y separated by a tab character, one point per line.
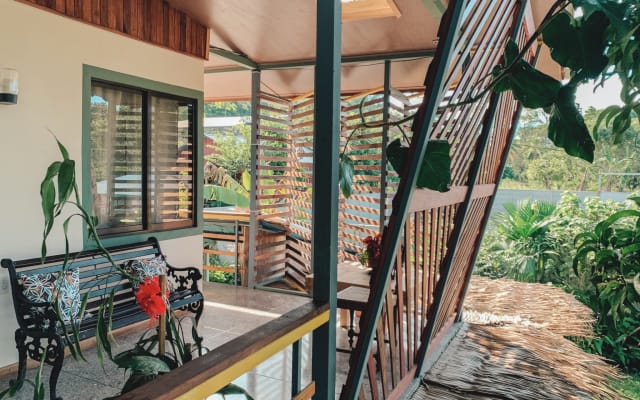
149	88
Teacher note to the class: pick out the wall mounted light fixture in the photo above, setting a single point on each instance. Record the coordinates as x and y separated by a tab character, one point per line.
8	86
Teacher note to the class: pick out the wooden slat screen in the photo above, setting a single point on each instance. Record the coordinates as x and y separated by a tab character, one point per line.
152	21
273	185
360	213
441	232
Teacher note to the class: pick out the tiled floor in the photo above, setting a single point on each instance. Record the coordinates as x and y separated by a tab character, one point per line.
229	312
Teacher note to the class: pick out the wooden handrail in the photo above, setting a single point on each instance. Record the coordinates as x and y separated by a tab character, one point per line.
205	375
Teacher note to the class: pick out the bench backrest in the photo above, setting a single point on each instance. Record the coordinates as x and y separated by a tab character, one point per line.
98	277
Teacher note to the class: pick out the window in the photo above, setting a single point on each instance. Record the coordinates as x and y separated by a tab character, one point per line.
142	159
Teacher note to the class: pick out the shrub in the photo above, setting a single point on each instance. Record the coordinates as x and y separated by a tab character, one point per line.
608	257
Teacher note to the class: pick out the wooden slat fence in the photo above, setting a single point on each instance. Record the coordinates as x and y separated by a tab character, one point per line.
441	233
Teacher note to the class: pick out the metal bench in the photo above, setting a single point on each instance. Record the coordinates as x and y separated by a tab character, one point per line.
40	332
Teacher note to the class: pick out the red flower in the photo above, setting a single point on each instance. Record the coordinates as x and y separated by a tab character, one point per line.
373	246
150	299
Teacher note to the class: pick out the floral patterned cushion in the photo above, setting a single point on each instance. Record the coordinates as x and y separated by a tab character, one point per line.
147	269
44	288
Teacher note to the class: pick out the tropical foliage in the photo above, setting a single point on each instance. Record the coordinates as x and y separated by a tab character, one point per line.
595	43
223	188
144	362
591	248
608	256
535	163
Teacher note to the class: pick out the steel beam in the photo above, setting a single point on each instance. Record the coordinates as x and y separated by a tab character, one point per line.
385	141
436	8
237	58
393	56
253	203
324	238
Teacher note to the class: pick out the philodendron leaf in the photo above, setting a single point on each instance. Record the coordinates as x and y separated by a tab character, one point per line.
345	174
567	128
435	171
531	87
578	47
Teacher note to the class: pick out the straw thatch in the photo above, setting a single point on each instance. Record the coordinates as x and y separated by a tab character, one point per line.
513	362
503	301
512	347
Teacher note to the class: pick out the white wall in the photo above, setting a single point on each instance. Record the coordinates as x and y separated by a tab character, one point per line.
48	51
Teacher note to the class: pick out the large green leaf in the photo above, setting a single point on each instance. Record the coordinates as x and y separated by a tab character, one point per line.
614	11
225	195
66	180
578	47
531	87
345	174
567	128
435	171
232	389
141	363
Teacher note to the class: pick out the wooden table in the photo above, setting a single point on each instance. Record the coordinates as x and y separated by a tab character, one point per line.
350	273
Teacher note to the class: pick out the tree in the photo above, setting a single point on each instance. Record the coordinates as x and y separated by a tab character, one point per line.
227	109
535	163
596	43
232	150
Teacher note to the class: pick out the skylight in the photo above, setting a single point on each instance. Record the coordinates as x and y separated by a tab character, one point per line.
353	10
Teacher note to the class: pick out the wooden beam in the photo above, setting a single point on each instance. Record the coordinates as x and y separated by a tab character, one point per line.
138	19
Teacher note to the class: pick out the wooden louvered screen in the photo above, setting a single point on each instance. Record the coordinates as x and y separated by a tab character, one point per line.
439	239
299	243
273	181
360	213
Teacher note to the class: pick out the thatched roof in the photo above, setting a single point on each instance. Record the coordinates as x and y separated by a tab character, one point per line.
512	347
504	301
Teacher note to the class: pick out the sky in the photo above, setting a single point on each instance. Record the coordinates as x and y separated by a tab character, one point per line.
602	98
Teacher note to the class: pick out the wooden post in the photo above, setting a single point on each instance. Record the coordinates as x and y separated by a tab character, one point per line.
162	321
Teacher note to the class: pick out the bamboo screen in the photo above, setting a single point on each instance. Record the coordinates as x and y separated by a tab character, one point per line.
441	234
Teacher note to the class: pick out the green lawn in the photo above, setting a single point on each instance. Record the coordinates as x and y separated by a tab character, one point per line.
629	386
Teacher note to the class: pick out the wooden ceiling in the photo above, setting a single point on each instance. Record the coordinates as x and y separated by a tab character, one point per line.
283	31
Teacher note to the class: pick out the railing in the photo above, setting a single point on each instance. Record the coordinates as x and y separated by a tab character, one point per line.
205	375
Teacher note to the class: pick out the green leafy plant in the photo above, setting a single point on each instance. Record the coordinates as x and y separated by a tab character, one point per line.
524	229
435	170
596	44
609	258
222	187
144	362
